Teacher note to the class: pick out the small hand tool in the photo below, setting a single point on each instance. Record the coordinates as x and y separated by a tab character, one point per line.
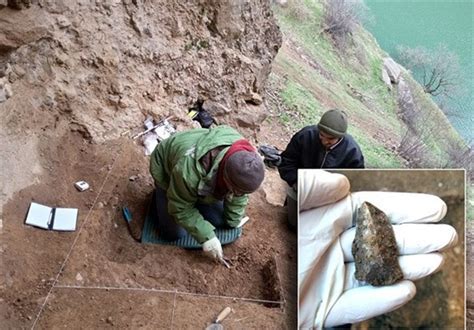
217	323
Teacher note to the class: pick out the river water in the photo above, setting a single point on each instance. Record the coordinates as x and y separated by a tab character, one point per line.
430	23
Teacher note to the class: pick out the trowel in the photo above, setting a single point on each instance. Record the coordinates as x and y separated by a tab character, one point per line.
217	323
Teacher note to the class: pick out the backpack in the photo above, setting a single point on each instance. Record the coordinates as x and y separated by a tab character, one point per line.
271	155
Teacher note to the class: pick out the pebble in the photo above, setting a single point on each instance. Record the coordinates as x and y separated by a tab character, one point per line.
133	177
79	277
8	91
100	205
109	320
3	96
63	22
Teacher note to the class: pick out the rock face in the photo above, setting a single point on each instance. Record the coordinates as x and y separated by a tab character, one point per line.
375	248
104	66
406	102
393	69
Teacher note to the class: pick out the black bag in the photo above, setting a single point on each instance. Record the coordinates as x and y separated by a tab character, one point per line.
271	155
197	113
204	118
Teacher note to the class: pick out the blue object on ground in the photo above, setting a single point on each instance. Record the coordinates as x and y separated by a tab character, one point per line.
150	232
126	214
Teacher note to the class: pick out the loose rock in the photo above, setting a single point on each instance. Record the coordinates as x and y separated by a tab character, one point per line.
375	248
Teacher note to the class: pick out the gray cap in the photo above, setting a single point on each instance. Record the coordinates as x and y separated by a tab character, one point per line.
333	122
245	171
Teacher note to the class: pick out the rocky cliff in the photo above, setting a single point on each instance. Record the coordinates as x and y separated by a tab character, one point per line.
102	66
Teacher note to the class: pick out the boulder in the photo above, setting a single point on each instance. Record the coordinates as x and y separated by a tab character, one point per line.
393	69
386	79
215	108
250	117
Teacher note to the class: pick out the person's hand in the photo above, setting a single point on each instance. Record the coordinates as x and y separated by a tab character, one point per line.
330	295
243	221
213	248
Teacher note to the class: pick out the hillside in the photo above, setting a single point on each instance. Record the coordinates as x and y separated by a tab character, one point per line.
310	75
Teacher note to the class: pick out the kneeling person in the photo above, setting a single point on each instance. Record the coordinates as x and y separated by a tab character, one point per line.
202	179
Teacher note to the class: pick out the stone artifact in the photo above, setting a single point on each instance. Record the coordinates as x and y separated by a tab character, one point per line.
375	248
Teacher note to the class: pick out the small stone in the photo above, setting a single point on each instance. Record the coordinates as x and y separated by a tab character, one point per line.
457	250
114	99
100	205
8	91
109	320
79	277
114	201
254	98
375	248
3	96
215	108
133	177
63	22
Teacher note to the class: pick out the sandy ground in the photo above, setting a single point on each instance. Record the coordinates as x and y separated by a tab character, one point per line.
98	276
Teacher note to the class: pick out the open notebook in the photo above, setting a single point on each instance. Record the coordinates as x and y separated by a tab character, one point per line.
63	219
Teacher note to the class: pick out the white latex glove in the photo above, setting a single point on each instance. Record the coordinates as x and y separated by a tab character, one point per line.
243	221
329	293
213	248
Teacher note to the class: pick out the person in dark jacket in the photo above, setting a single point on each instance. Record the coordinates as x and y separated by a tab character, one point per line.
325	145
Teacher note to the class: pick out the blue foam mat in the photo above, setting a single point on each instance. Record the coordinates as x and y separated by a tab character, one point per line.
150	233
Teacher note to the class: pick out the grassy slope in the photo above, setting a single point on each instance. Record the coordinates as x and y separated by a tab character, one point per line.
314	77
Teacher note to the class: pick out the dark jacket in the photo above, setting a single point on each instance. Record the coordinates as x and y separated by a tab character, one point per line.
306	151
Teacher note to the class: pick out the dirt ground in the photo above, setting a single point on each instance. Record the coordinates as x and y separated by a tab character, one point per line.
53	279
439	301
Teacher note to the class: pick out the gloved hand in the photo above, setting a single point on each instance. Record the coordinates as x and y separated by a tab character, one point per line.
329	293
213	248
243	221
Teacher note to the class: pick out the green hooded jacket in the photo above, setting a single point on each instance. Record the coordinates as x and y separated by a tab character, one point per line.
176	168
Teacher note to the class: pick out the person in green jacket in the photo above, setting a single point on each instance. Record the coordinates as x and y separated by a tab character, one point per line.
202	179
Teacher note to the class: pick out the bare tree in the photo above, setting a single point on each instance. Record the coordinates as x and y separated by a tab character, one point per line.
412	149
421	128
439	70
341	17
460	155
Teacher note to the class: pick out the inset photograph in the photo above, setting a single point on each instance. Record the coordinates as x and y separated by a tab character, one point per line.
381	248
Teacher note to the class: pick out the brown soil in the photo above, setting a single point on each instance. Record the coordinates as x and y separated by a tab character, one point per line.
101	272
